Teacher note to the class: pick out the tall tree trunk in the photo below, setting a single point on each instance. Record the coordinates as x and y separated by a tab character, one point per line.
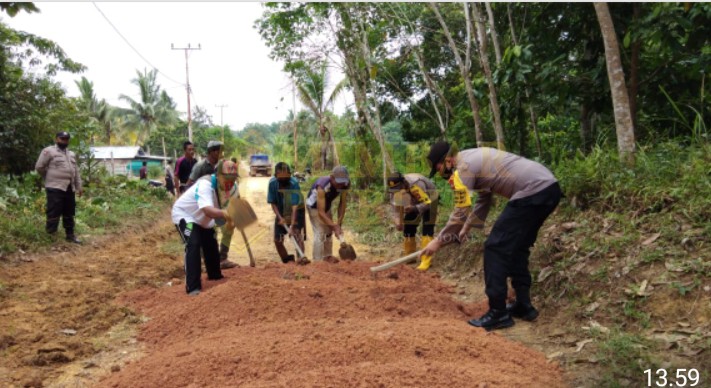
388	165
634	67
293	123
527	90
620	99
484	57
353	48
494	35
433	89
465	76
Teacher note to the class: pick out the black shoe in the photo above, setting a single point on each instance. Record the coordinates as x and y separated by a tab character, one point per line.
522	311
73	239
288	259
493	319
216	278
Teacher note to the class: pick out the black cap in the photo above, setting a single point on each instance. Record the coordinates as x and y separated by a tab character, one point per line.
437	153
63	134
395	180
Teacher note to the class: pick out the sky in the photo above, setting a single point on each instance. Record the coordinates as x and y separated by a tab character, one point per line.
232	67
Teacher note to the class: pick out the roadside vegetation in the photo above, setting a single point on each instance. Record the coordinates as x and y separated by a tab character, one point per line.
109	205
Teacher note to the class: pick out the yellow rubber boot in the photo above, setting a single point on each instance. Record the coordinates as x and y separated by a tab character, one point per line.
425	261
409	245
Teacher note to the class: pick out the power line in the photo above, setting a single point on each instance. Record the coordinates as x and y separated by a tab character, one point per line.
133	48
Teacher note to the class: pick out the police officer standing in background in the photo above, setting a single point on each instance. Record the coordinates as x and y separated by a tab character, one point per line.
60	170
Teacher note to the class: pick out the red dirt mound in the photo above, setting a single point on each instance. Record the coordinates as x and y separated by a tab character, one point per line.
323	325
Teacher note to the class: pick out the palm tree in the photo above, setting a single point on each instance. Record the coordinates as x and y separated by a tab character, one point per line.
154	108
312	85
99	111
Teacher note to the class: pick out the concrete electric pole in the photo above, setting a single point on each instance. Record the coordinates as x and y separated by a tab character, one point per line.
221	124
187	84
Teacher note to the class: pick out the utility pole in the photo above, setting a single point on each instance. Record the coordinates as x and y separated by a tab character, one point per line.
221	124
187	83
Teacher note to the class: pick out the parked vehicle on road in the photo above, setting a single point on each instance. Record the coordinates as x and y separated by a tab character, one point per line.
259	164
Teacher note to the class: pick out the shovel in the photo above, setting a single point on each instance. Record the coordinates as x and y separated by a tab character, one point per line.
302	257
346	251
395	262
242	216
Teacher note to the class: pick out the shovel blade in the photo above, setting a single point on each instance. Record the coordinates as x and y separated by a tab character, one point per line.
241	213
347	252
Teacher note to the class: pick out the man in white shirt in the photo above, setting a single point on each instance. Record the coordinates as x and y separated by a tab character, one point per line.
195	214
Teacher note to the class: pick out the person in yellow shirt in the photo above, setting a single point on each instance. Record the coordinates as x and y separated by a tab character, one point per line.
414	199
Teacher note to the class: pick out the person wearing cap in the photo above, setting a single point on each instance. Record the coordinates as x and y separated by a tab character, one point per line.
318	203
414	199
195	215
60	170
207	167
533	193
284	196
184	166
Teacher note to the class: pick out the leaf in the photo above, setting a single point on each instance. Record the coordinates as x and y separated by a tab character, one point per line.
545	272
568	226
651	239
642	288
627	39
592	307
581	345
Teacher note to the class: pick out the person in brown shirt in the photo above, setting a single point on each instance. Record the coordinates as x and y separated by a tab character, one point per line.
59	168
533	193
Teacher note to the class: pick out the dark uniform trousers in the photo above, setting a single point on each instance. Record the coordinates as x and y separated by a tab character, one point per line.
428	219
60	204
195	238
507	248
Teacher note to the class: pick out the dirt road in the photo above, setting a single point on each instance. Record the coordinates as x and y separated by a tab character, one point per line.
115	314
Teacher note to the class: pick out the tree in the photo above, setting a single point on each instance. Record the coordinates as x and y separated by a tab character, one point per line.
620	99
312	86
99	111
13	8
464	68
154	108
32	106
484	59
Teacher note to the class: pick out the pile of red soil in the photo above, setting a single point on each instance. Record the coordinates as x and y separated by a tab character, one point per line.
323	325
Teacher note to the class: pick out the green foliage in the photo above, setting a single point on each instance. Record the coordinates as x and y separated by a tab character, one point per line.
623	355
32	107
152	110
104	206
664	176
13	8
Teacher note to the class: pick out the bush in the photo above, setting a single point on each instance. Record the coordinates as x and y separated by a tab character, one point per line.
106	204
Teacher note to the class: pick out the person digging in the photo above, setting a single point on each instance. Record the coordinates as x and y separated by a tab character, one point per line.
284	196
195	214
533	193
414	199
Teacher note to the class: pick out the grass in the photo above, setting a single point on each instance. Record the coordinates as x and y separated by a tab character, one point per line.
624	355
104	205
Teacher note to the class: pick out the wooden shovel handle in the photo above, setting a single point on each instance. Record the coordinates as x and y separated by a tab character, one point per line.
395	262
252	262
